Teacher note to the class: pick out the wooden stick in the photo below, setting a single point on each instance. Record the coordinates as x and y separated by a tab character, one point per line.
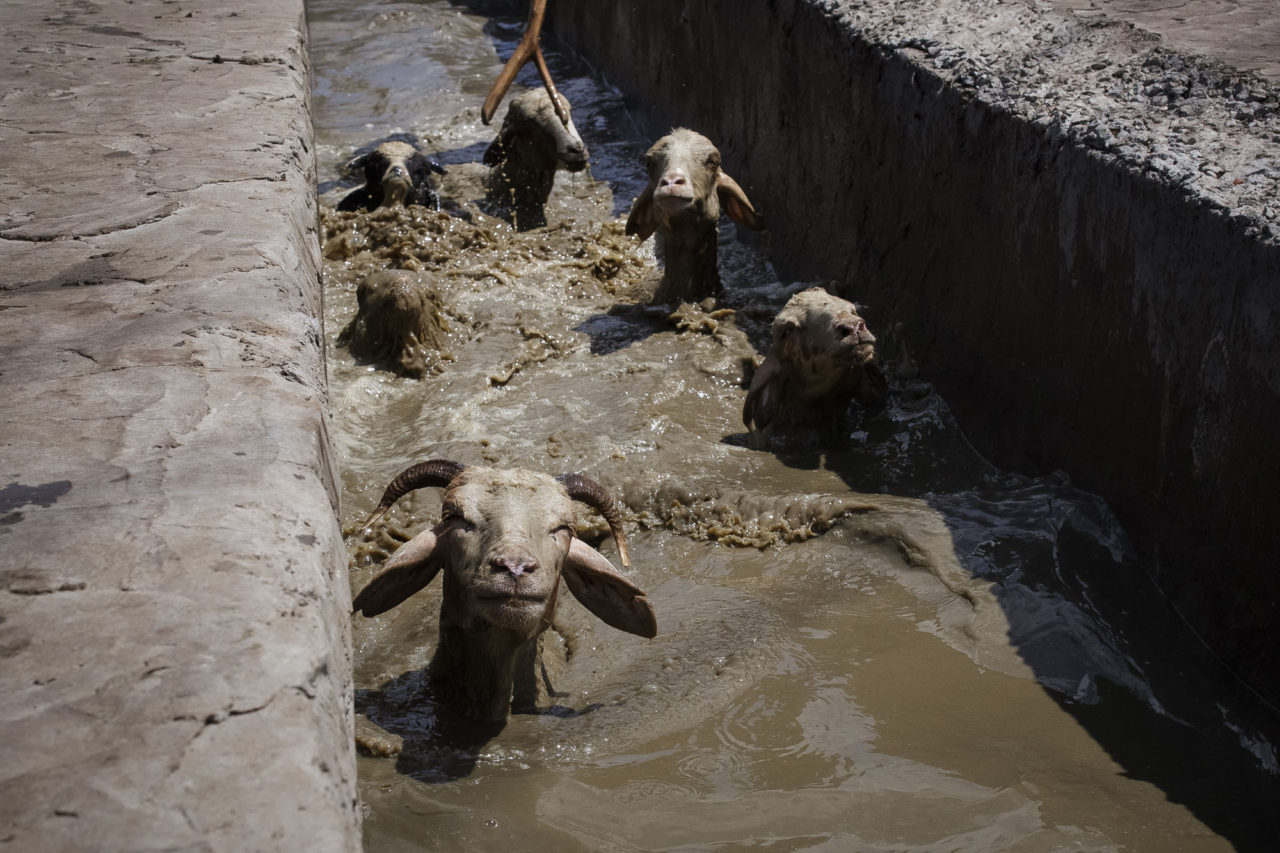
526	50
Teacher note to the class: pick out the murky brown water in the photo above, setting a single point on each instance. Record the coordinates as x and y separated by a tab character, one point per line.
874	643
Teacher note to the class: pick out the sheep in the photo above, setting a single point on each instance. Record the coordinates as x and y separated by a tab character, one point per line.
505	539
823	355
394	173
398	323
530	147
686	193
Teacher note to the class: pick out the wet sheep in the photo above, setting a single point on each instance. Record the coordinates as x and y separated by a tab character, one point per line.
504	541
686	193
531	145
398	325
822	357
394	173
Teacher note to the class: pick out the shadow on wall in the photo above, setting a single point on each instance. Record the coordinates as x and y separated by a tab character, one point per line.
1035	276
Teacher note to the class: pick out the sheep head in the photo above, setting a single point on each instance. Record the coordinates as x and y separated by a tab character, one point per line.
686	182
524	157
823	355
504	541
686	193
398	323
531	125
395	173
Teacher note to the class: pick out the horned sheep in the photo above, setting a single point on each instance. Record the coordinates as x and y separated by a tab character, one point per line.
505	540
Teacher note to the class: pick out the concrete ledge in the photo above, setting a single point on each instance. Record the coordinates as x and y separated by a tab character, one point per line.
174	644
1076	226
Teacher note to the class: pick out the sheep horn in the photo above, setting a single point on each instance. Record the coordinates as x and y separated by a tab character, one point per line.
526	50
433	472
597	497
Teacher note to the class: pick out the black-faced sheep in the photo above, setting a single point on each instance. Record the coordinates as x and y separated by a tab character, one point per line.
686	193
398	323
504	541
394	173
823	356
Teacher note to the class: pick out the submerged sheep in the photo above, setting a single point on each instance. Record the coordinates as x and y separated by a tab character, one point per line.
504	541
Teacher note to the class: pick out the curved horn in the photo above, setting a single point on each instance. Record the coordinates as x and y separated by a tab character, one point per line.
597	497
433	472
526	50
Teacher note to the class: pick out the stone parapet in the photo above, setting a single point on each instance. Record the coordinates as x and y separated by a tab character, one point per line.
174	638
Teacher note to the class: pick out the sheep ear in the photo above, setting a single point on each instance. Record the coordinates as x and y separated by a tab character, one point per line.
786	339
355	166
357	199
410	569
733	201
762	398
640	220
421	166
605	592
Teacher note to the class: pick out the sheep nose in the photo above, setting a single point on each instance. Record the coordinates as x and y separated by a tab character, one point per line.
857	327
515	565
673	179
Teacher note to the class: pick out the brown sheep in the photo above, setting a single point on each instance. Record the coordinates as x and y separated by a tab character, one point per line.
398	323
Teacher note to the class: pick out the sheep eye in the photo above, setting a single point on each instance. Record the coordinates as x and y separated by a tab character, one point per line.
456	518
564	528
713	162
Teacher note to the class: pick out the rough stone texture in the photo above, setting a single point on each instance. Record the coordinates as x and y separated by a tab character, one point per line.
174	644
1076	225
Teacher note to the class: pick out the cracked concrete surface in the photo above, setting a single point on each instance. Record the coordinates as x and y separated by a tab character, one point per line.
173	634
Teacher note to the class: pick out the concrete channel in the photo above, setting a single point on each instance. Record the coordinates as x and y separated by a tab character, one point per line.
1075	224
1089	273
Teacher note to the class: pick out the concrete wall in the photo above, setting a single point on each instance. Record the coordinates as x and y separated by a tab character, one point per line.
174	644
1078	311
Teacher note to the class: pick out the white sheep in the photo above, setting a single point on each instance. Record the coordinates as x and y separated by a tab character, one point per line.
823	356
686	193
505	540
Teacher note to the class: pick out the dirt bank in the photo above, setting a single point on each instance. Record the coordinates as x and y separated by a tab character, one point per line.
1075	224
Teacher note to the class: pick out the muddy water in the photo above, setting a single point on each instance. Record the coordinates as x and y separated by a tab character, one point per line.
868	641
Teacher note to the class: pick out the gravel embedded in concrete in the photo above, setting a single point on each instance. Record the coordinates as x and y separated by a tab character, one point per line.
1086	75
